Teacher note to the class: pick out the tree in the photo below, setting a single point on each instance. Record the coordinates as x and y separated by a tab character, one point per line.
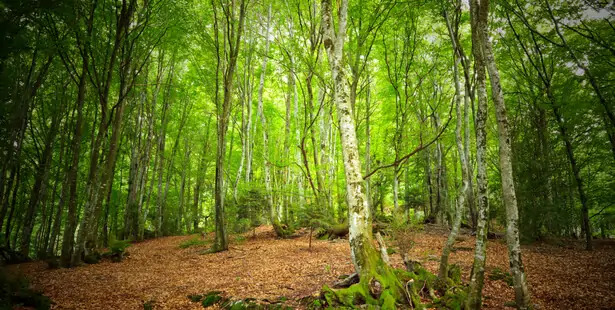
230	51
480	15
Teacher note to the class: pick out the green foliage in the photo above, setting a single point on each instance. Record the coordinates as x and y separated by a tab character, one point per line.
498	275
148	305
211	299
195	297
248	211
118	247
282	230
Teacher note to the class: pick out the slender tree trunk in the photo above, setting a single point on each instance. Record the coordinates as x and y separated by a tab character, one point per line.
288	177
522	296
55	231
160	203
266	166
201	170
39	189
68	238
450	242
232	41
244	145
576	172
298	176
368	141
477	276
180	218
364	255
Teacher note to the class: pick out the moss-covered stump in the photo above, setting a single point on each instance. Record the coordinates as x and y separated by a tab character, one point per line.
332	232
390	288
282	230
93	257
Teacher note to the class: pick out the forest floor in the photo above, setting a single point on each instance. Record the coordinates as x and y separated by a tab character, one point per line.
158	271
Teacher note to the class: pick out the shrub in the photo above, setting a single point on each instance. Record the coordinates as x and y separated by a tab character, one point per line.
117	249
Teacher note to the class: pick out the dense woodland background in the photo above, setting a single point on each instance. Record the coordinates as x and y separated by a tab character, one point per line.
134	119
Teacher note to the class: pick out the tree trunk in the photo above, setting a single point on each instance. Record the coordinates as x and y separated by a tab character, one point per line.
68	238
39	189
450	242
368	141
364	255
522	296
477	276
576	172
266	166
231	42
160	203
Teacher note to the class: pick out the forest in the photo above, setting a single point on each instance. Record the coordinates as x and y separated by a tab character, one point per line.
307	154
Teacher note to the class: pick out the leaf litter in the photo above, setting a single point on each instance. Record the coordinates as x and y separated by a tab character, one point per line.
160	273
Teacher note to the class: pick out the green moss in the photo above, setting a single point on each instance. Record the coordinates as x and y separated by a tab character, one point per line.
195	297
454	273
92	258
510	304
393	289
388	301
455	298
498	274
211	299
194	242
282	230
148	305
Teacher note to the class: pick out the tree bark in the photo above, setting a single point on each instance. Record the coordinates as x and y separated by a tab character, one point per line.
522	296
463	191
364	255
266	165
477	276
232	36
39	189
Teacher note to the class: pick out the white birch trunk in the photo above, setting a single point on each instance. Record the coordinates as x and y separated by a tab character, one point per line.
522	296
360	232
450	242
480	251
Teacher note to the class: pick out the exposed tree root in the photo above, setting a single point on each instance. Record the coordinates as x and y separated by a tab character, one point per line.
390	288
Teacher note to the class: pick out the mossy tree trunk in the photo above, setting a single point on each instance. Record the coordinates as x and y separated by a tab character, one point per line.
378	283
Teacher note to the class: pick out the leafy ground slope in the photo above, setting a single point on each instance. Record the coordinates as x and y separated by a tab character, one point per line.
159	272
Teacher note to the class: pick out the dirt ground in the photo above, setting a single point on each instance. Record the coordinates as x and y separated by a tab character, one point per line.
263	267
